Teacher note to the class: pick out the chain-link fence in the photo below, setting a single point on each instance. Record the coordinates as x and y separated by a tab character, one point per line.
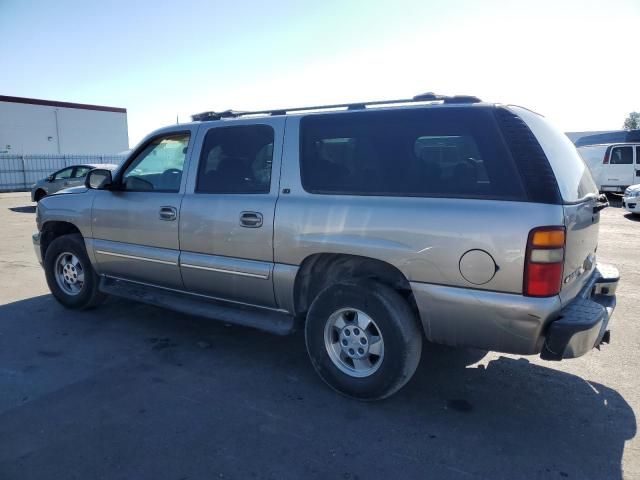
19	172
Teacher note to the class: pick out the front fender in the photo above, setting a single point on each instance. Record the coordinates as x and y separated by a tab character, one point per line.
74	209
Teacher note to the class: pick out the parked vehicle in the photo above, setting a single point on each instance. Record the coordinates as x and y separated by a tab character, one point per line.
371	226
72	176
631	199
613	166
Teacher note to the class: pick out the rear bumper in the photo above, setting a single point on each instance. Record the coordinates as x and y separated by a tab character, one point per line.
584	323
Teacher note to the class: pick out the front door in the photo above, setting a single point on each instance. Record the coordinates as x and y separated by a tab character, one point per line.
620	171
226	227
135	224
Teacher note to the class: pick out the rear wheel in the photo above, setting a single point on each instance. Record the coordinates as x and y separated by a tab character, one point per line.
69	273
363	339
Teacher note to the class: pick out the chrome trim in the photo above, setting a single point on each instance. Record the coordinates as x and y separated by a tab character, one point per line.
133	257
222	270
185	292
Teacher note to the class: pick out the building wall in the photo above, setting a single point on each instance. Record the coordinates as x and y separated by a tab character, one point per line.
43	129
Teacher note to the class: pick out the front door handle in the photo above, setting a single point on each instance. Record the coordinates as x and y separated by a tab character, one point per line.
251	219
168	213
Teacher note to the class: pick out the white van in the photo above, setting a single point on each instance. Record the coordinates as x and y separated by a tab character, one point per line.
613	166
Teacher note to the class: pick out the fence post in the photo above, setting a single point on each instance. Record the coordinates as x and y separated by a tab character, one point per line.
24	172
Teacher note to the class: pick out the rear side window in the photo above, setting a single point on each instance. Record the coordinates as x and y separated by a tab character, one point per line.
63	174
621	156
236	160
81	172
572	175
441	152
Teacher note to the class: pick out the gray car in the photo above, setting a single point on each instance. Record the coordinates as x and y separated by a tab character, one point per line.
72	176
373	227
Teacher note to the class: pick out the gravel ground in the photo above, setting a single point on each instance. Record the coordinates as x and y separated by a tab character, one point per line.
129	391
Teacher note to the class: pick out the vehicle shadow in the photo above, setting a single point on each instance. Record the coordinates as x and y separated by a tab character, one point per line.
633	217
615	200
25	209
176	396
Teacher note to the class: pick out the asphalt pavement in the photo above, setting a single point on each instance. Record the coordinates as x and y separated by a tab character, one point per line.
129	391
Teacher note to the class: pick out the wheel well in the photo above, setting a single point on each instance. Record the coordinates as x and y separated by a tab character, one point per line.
52	230
321	270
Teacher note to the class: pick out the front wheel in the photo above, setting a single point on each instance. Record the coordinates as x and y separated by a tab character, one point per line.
39	195
363	339
69	273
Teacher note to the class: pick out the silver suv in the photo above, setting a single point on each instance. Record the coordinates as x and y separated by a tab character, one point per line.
372	226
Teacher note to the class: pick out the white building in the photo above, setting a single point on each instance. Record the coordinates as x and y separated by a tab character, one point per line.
31	126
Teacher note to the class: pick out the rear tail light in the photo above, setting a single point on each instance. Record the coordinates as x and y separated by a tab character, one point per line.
544	262
605	160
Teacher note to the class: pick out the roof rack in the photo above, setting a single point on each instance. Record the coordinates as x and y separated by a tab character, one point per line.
424	97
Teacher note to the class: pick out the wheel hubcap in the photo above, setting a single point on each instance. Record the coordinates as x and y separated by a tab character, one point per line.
354	342
69	273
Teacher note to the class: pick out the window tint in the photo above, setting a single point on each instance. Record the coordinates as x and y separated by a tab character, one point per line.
63	174
621	156
572	175
81	171
637	155
449	152
158	167
236	160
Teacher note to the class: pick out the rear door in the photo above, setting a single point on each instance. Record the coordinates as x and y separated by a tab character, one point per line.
61	180
79	174
226	228
579	194
620	171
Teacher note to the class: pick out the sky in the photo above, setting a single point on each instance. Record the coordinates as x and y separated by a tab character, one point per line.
572	61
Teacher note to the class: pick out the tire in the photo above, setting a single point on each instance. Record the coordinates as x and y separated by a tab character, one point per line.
331	322
40	194
70	250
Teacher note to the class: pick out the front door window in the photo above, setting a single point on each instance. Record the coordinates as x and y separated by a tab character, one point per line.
158	167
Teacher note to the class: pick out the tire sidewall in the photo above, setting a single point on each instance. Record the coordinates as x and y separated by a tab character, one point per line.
73	244
40	194
396	323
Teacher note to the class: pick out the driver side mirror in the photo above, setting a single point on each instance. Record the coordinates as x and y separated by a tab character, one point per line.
98	179
50	178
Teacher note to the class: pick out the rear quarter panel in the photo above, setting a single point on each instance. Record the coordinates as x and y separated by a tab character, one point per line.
424	238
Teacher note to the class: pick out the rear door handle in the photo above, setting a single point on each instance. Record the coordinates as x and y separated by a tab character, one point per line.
168	213
251	219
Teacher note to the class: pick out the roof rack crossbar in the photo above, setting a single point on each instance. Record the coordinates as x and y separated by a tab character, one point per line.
425	97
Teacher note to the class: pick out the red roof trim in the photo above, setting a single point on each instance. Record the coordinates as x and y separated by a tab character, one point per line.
51	103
